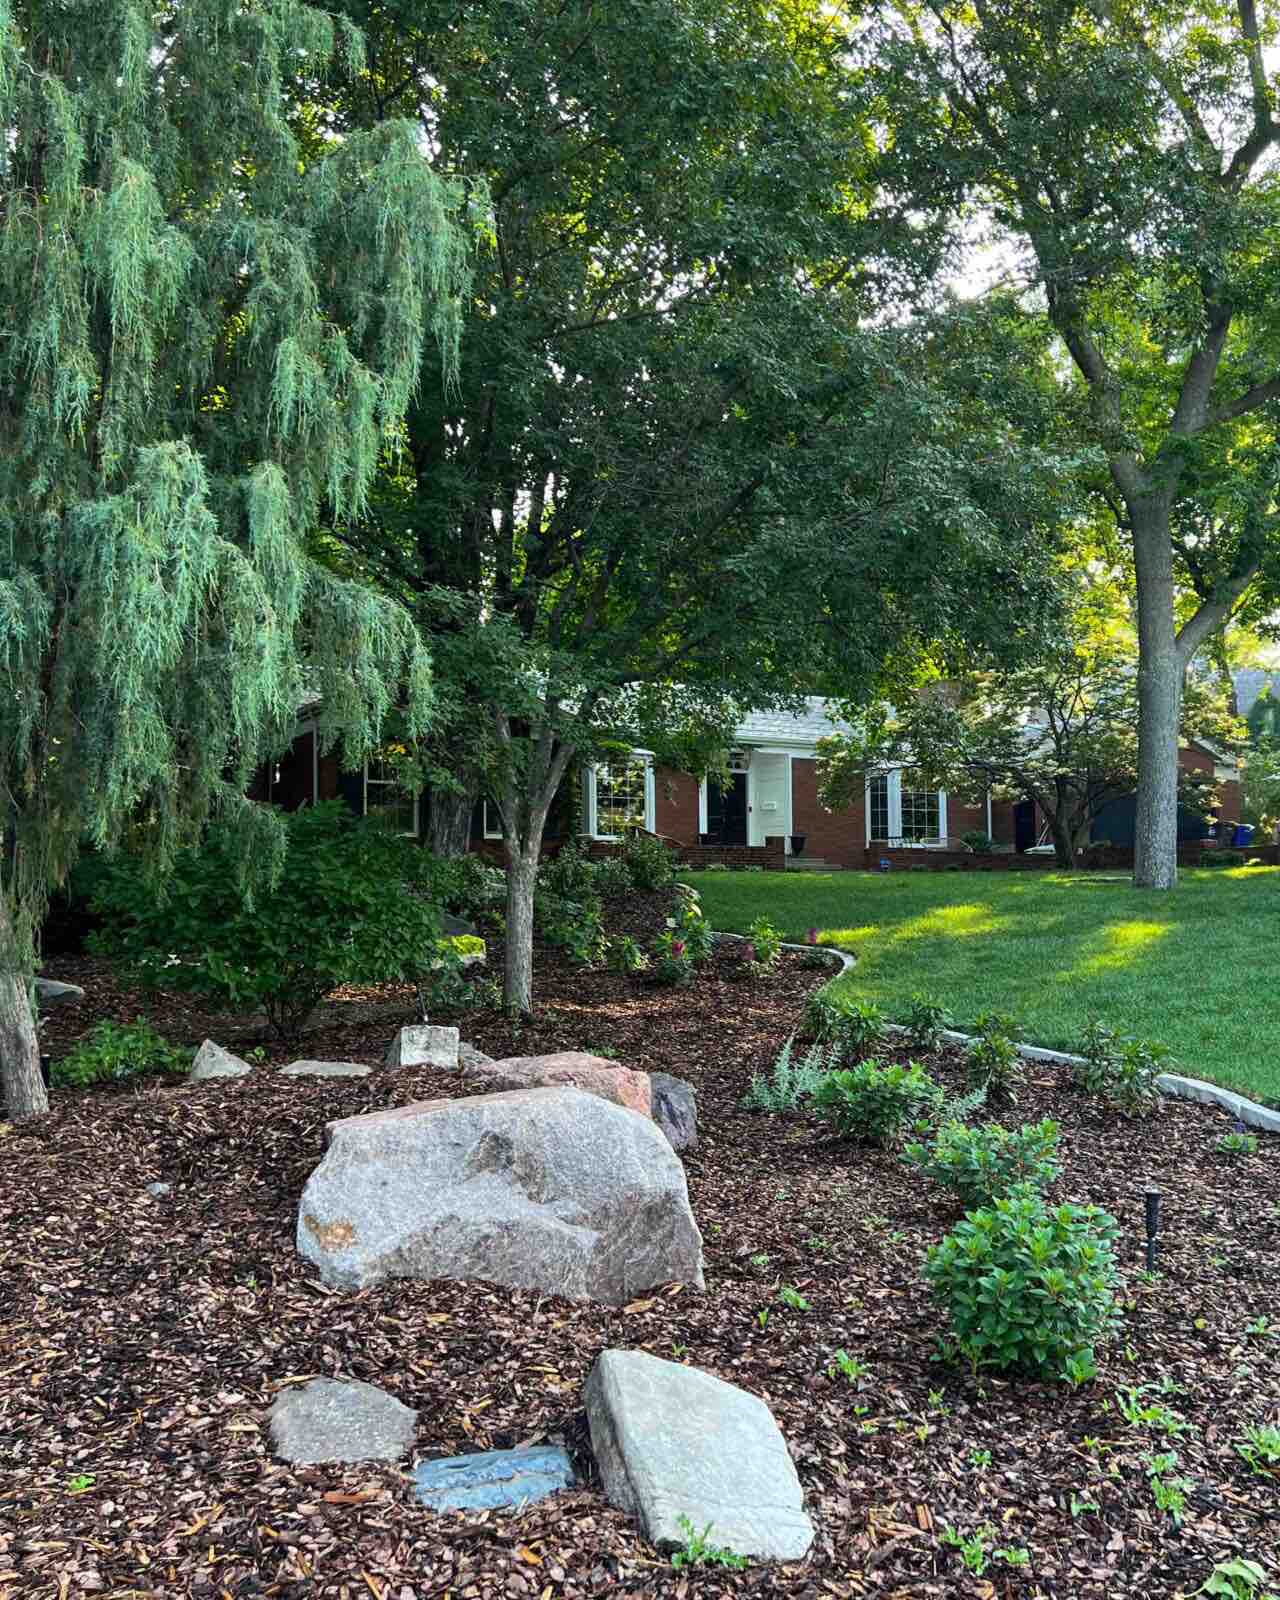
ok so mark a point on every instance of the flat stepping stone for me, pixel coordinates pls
(212, 1061)
(492, 1478)
(325, 1069)
(49, 992)
(424, 1046)
(672, 1443)
(340, 1419)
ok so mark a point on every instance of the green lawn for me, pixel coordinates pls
(1192, 969)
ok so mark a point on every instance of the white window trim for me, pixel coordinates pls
(649, 795)
(486, 831)
(382, 783)
(895, 815)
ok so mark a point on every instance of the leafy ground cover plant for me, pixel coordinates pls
(1026, 1288)
(625, 954)
(113, 1051)
(698, 1551)
(347, 906)
(980, 1165)
(766, 942)
(925, 1021)
(1260, 1448)
(1120, 1070)
(575, 926)
(1237, 1143)
(874, 1103)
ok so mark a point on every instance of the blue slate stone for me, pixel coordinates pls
(492, 1478)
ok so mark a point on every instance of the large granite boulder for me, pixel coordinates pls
(546, 1189)
(673, 1443)
(675, 1109)
(212, 1061)
(570, 1069)
(49, 992)
(340, 1419)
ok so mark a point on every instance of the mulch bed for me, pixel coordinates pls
(141, 1340)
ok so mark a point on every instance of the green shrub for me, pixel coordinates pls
(854, 1026)
(993, 1061)
(349, 906)
(625, 954)
(765, 942)
(612, 879)
(980, 1165)
(574, 926)
(469, 886)
(925, 1021)
(874, 1103)
(649, 863)
(978, 843)
(1119, 1070)
(1026, 1288)
(789, 1081)
(113, 1051)
(569, 875)
(695, 931)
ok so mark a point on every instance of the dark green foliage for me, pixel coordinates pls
(113, 1051)
(575, 926)
(1120, 1070)
(465, 885)
(625, 954)
(992, 1059)
(341, 910)
(765, 942)
(649, 862)
(1026, 1288)
(980, 1165)
(925, 1021)
(873, 1103)
(978, 842)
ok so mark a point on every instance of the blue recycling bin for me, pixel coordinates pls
(1243, 834)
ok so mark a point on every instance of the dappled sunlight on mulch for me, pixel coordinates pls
(141, 1340)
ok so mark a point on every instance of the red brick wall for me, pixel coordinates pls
(836, 836)
(965, 818)
(1002, 827)
(675, 805)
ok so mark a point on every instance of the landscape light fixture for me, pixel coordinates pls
(1153, 1226)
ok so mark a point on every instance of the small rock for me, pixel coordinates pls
(325, 1069)
(49, 992)
(469, 1057)
(492, 1478)
(212, 1061)
(159, 1189)
(672, 1443)
(570, 1069)
(340, 1419)
(675, 1109)
(424, 1046)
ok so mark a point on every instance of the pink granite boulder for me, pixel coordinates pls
(568, 1069)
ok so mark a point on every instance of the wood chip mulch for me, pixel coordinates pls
(142, 1339)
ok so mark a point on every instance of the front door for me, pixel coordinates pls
(727, 809)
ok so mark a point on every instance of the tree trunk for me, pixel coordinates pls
(522, 870)
(1064, 850)
(1155, 832)
(449, 821)
(21, 1086)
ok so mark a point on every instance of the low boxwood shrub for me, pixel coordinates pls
(1120, 1070)
(980, 1165)
(113, 1051)
(874, 1103)
(1027, 1288)
(348, 905)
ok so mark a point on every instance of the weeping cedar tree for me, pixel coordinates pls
(1061, 731)
(1125, 156)
(208, 343)
(678, 476)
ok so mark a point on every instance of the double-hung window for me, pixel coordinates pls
(386, 798)
(899, 814)
(620, 796)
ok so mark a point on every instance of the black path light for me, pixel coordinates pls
(1153, 1226)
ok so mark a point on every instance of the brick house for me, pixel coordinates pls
(768, 812)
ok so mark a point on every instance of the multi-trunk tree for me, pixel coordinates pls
(212, 333)
(693, 461)
(1123, 156)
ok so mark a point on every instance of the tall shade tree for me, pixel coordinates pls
(1124, 155)
(209, 342)
(694, 462)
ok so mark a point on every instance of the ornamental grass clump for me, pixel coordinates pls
(1026, 1288)
(980, 1165)
(873, 1103)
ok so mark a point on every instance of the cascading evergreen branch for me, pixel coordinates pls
(214, 317)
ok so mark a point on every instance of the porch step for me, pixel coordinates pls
(811, 864)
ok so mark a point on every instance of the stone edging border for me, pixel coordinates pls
(1172, 1084)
